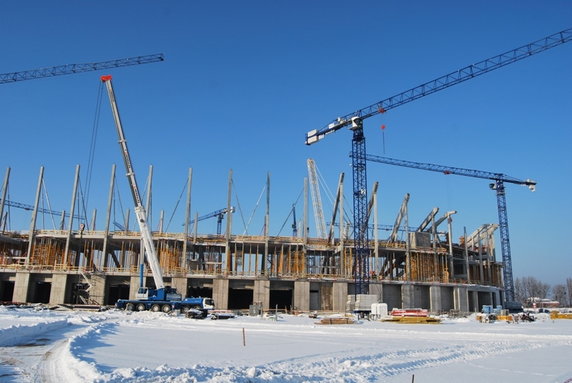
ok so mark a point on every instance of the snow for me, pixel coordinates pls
(38, 345)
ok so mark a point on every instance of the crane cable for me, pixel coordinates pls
(94, 130)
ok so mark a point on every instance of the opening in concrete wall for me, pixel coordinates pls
(6, 291)
(240, 299)
(200, 288)
(116, 292)
(41, 292)
(485, 298)
(205, 292)
(281, 295)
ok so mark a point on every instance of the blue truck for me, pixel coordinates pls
(166, 300)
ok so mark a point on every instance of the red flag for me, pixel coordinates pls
(382, 127)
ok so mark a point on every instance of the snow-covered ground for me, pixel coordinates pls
(114, 346)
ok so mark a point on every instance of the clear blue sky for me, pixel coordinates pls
(244, 81)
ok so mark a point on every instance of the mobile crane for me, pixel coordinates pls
(161, 297)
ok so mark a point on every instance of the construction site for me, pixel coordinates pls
(405, 265)
(427, 268)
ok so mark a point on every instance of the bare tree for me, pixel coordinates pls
(520, 294)
(530, 287)
(569, 291)
(560, 294)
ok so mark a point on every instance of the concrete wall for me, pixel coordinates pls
(21, 286)
(220, 293)
(461, 298)
(392, 296)
(59, 289)
(302, 295)
(339, 296)
(261, 293)
(305, 295)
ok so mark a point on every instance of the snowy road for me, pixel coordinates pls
(115, 346)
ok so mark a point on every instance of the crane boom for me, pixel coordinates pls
(354, 121)
(139, 209)
(77, 68)
(24, 206)
(498, 185)
(451, 170)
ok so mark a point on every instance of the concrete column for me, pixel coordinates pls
(302, 295)
(220, 293)
(21, 287)
(97, 290)
(435, 301)
(133, 286)
(475, 296)
(339, 296)
(262, 293)
(58, 290)
(408, 296)
(461, 299)
(181, 284)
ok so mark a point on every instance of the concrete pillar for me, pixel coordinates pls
(339, 296)
(475, 299)
(408, 296)
(220, 293)
(181, 284)
(302, 295)
(59, 287)
(261, 293)
(97, 291)
(21, 287)
(461, 299)
(133, 286)
(435, 301)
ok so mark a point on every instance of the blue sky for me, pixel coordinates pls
(244, 81)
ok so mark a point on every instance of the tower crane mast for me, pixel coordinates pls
(354, 121)
(498, 185)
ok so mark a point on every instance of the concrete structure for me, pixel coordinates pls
(81, 265)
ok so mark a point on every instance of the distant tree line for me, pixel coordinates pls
(530, 287)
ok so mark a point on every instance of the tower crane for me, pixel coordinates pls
(77, 68)
(354, 121)
(217, 213)
(499, 180)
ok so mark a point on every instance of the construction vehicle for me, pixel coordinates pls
(354, 121)
(160, 298)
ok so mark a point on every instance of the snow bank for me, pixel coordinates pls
(22, 334)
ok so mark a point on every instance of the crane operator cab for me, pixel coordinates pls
(168, 293)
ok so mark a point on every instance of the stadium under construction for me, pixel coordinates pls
(421, 267)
